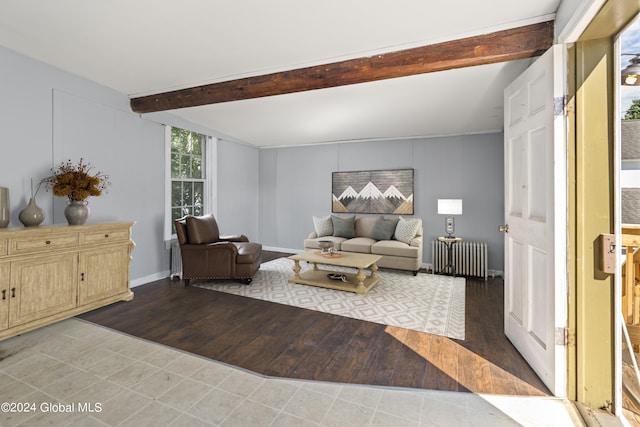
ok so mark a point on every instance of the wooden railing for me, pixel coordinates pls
(631, 283)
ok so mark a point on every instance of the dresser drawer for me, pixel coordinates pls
(104, 236)
(4, 247)
(24, 245)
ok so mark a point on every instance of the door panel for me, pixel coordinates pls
(5, 295)
(538, 180)
(103, 273)
(41, 287)
(514, 297)
(516, 173)
(539, 327)
(535, 171)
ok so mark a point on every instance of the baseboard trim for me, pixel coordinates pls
(150, 278)
(491, 273)
(162, 275)
(285, 250)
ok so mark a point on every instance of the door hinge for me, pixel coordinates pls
(565, 337)
(559, 105)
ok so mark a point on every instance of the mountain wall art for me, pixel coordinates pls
(380, 191)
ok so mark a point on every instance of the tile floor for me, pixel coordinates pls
(77, 373)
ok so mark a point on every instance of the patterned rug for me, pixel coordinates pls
(426, 302)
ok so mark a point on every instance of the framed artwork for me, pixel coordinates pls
(380, 191)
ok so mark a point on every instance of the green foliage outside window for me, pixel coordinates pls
(186, 154)
(187, 173)
(633, 112)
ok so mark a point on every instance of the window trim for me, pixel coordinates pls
(210, 148)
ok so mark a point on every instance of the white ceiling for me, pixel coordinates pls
(139, 47)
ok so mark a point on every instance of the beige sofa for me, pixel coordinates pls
(397, 239)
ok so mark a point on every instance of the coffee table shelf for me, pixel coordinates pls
(358, 283)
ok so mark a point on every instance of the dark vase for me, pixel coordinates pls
(76, 212)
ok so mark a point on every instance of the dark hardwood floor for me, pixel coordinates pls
(284, 341)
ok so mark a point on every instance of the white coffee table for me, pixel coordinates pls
(358, 283)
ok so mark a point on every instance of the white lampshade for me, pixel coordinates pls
(450, 206)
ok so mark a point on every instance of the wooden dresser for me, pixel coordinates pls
(55, 272)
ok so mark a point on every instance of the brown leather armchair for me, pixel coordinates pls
(207, 255)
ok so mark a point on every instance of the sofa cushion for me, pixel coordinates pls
(394, 248)
(384, 228)
(313, 243)
(323, 226)
(359, 244)
(406, 229)
(365, 225)
(344, 226)
(202, 229)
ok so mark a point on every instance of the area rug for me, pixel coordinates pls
(426, 302)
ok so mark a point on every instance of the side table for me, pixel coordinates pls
(450, 268)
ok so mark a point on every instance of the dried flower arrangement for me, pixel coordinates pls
(75, 181)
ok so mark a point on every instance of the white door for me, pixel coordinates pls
(535, 297)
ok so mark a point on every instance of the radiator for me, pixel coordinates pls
(469, 258)
(176, 260)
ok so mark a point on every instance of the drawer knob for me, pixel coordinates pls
(4, 294)
(106, 235)
(48, 242)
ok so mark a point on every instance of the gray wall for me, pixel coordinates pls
(237, 189)
(295, 184)
(48, 116)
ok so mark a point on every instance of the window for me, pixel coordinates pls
(188, 184)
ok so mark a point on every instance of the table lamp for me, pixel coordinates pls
(449, 207)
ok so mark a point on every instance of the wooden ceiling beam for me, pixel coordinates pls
(512, 44)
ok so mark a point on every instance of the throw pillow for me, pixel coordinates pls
(344, 226)
(384, 229)
(323, 226)
(406, 230)
(202, 229)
